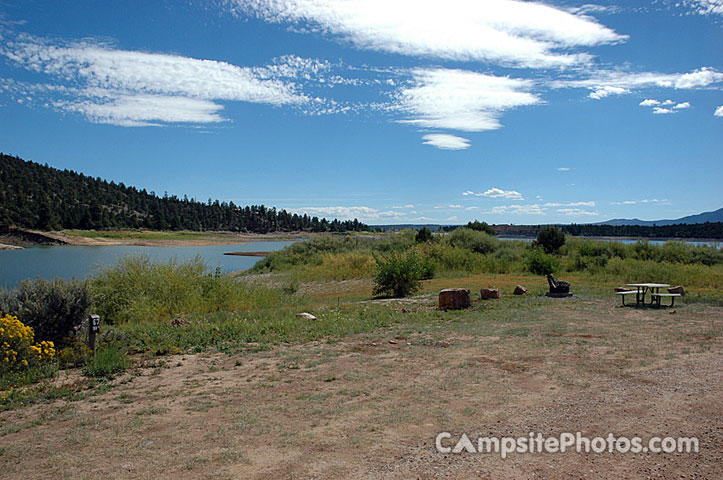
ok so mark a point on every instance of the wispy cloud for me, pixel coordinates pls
(533, 209)
(145, 110)
(362, 213)
(563, 169)
(445, 141)
(572, 204)
(496, 193)
(541, 210)
(606, 82)
(718, 111)
(576, 212)
(607, 90)
(132, 88)
(462, 100)
(702, 7)
(662, 111)
(508, 32)
(664, 201)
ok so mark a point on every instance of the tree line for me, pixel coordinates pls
(712, 230)
(41, 197)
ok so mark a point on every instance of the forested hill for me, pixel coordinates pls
(45, 198)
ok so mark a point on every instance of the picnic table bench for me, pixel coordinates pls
(641, 290)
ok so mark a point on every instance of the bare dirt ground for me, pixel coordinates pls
(370, 406)
(145, 239)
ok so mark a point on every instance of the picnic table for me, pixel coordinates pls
(641, 289)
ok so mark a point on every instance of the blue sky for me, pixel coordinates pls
(389, 111)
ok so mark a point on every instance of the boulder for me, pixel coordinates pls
(490, 293)
(679, 289)
(454, 299)
(519, 290)
(306, 316)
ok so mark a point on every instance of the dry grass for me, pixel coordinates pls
(370, 405)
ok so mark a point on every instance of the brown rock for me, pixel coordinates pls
(519, 290)
(454, 299)
(679, 289)
(490, 293)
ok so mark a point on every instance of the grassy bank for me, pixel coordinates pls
(151, 309)
(466, 252)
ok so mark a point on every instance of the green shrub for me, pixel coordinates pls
(707, 255)
(550, 239)
(397, 274)
(478, 242)
(52, 308)
(675, 252)
(108, 361)
(137, 289)
(541, 263)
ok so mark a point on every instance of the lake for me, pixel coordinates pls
(81, 262)
(629, 241)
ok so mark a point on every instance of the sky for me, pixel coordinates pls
(392, 112)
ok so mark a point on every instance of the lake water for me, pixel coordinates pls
(627, 241)
(81, 262)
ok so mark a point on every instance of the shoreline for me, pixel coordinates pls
(16, 239)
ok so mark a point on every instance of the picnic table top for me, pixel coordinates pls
(648, 285)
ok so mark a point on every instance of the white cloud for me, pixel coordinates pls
(563, 169)
(663, 201)
(462, 100)
(445, 141)
(142, 110)
(603, 80)
(659, 108)
(499, 193)
(409, 205)
(576, 212)
(703, 7)
(138, 88)
(606, 91)
(718, 111)
(533, 209)
(572, 204)
(362, 213)
(496, 193)
(662, 111)
(593, 8)
(509, 32)
(455, 206)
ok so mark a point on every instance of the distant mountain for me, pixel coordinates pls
(715, 216)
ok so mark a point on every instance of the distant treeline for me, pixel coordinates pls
(45, 198)
(694, 230)
(681, 230)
